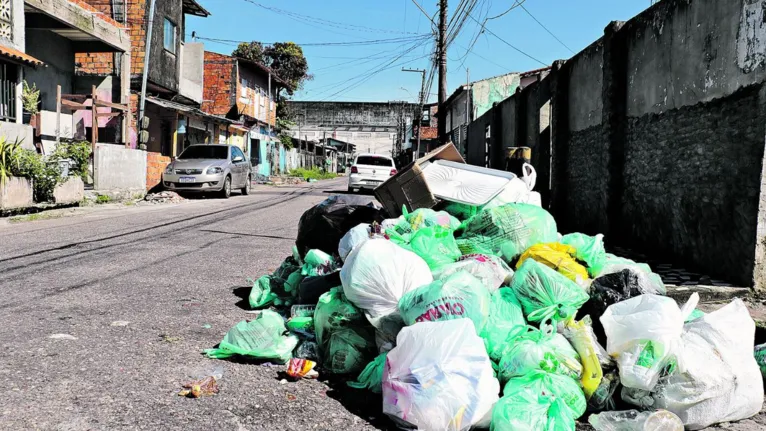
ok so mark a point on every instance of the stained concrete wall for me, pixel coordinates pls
(164, 66)
(57, 53)
(192, 71)
(658, 136)
(17, 40)
(119, 168)
(348, 113)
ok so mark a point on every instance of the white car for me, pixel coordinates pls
(370, 171)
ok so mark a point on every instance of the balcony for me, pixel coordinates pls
(192, 59)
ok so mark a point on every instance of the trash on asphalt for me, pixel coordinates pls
(302, 369)
(266, 338)
(419, 302)
(206, 385)
(634, 420)
(439, 377)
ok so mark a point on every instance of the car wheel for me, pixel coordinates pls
(246, 189)
(226, 190)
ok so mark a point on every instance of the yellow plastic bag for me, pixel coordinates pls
(559, 257)
(580, 336)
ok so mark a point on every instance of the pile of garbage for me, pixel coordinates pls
(484, 316)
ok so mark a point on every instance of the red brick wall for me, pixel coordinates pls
(102, 63)
(155, 165)
(219, 78)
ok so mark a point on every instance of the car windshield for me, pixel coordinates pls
(374, 161)
(205, 152)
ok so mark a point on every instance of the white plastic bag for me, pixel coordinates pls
(355, 237)
(490, 270)
(720, 380)
(529, 176)
(376, 275)
(643, 334)
(439, 377)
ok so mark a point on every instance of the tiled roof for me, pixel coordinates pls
(19, 57)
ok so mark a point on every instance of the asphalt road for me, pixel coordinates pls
(143, 291)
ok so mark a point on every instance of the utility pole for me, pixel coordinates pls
(421, 101)
(442, 59)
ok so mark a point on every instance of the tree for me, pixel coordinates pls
(252, 51)
(286, 59)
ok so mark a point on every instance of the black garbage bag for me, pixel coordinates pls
(323, 226)
(610, 289)
(312, 288)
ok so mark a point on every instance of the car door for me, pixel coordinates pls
(240, 166)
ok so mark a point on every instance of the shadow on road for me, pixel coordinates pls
(243, 293)
(362, 403)
(247, 234)
(346, 192)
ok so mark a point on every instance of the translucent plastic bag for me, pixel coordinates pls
(438, 377)
(633, 420)
(378, 273)
(717, 379)
(317, 263)
(543, 383)
(545, 295)
(490, 270)
(559, 257)
(535, 350)
(435, 244)
(264, 337)
(530, 411)
(588, 249)
(643, 335)
(652, 282)
(421, 218)
(372, 376)
(580, 335)
(505, 316)
(459, 296)
(360, 234)
(508, 230)
(334, 312)
(262, 293)
(347, 350)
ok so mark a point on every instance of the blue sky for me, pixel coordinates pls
(364, 71)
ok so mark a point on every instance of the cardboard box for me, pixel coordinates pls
(408, 187)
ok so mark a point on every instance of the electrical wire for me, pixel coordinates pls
(546, 29)
(351, 43)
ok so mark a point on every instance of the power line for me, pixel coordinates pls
(546, 29)
(508, 43)
(351, 43)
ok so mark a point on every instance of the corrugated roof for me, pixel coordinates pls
(180, 107)
(19, 57)
(193, 8)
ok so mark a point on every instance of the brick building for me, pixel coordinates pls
(174, 79)
(245, 92)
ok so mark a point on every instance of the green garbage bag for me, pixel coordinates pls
(264, 337)
(347, 350)
(533, 350)
(421, 218)
(461, 211)
(372, 376)
(303, 326)
(293, 282)
(334, 312)
(546, 295)
(459, 296)
(504, 316)
(261, 294)
(508, 230)
(588, 249)
(317, 263)
(543, 383)
(287, 267)
(530, 411)
(435, 244)
(760, 357)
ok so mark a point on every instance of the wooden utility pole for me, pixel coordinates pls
(442, 59)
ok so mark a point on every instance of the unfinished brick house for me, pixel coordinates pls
(246, 92)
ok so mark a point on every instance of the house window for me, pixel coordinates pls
(6, 19)
(170, 36)
(7, 92)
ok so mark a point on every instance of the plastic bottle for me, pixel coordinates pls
(634, 420)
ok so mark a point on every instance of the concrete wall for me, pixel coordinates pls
(192, 71)
(164, 66)
(22, 132)
(348, 113)
(58, 55)
(658, 136)
(17, 40)
(117, 167)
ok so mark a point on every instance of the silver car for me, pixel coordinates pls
(209, 169)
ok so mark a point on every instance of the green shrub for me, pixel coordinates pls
(78, 152)
(8, 158)
(44, 173)
(312, 174)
